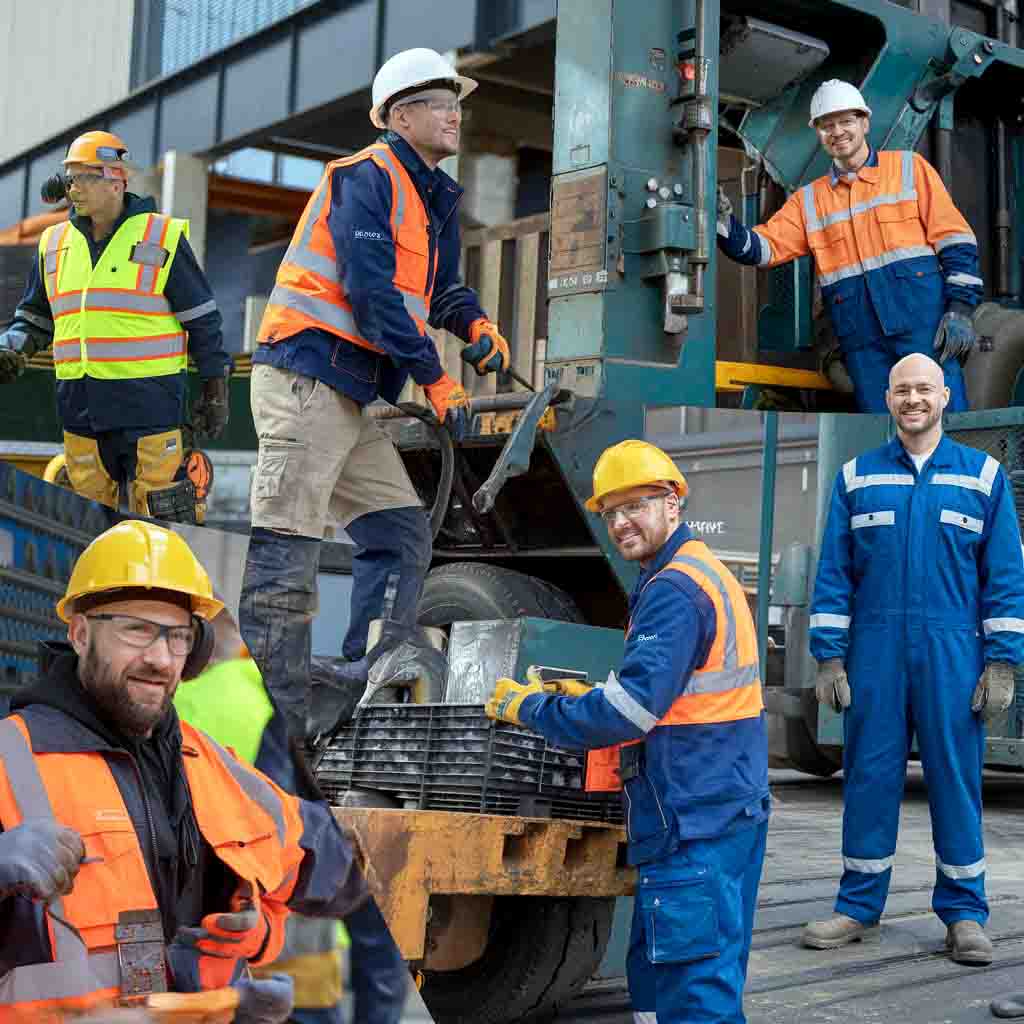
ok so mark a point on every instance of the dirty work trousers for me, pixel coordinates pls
(141, 460)
(908, 678)
(693, 918)
(322, 460)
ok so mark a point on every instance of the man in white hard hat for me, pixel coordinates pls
(896, 261)
(373, 262)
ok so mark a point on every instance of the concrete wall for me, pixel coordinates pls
(88, 45)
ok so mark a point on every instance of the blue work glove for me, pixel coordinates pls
(265, 1000)
(39, 859)
(956, 336)
(451, 405)
(487, 351)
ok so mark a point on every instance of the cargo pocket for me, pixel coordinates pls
(680, 915)
(844, 300)
(275, 459)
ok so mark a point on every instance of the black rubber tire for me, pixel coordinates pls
(802, 750)
(540, 952)
(467, 591)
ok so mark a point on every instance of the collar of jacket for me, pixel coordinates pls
(868, 170)
(942, 456)
(666, 553)
(73, 724)
(133, 205)
(437, 188)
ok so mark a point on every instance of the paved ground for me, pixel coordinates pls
(905, 975)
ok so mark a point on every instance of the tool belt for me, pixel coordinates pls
(140, 955)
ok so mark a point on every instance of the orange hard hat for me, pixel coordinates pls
(104, 149)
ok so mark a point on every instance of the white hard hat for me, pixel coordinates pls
(834, 96)
(408, 69)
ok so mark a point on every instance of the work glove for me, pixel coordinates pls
(994, 692)
(210, 410)
(221, 945)
(724, 213)
(487, 351)
(40, 859)
(956, 337)
(451, 404)
(507, 698)
(265, 1000)
(12, 365)
(562, 687)
(832, 687)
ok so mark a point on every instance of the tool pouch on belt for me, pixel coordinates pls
(609, 768)
(140, 954)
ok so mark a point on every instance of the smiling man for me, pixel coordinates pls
(917, 623)
(896, 261)
(682, 729)
(374, 261)
(136, 854)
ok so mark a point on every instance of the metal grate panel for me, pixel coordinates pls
(453, 757)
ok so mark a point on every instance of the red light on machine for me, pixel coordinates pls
(687, 71)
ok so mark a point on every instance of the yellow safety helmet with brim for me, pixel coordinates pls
(634, 464)
(136, 555)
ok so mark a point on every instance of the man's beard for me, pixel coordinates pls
(931, 418)
(111, 697)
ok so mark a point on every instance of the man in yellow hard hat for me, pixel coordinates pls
(682, 729)
(117, 291)
(137, 854)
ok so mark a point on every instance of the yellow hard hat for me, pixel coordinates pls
(633, 464)
(103, 148)
(136, 554)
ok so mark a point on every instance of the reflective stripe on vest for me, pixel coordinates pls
(726, 688)
(252, 828)
(104, 330)
(844, 254)
(308, 291)
(75, 973)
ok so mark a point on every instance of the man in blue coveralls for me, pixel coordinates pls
(687, 720)
(917, 623)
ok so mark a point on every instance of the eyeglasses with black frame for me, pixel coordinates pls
(143, 633)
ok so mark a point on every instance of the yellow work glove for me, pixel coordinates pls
(451, 405)
(487, 351)
(507, 698)
(563, 687)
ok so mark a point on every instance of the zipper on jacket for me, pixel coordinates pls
(149, 820)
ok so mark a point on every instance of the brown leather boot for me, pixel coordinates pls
(968, 944)
(838, 930)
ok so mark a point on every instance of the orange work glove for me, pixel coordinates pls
(487, 351)
(451, 404)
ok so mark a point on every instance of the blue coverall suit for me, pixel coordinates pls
(390, 543)
(119, 412)
(697, 813)
(379, 975)
(888, 306)
(920, 582)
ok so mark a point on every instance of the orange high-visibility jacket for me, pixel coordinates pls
(726, 687)
(885, 230)
(308, 292)
(252, 826)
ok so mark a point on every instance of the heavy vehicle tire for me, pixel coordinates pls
(467, 591)
(540, 952)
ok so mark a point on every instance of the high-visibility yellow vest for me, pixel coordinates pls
(112, 321)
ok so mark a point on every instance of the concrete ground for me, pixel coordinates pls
(905, 974)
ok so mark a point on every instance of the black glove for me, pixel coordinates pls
(12, 365)
(211, 409)
(40, 858)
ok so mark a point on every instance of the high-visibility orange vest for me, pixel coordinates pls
(727, 687)
(308, 291)
(252, 827)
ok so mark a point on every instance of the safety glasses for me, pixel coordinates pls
(143, 633)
